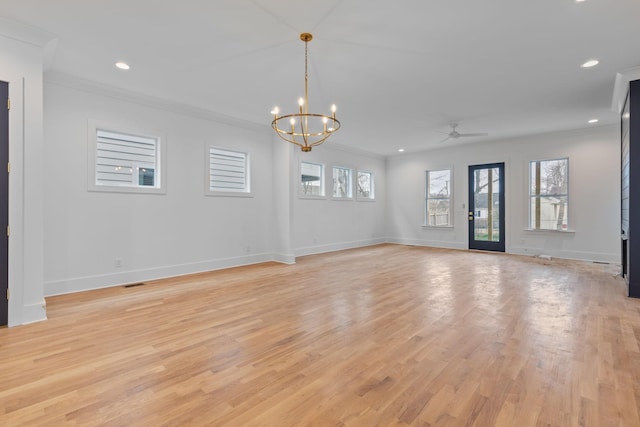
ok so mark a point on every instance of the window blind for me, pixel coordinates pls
(125, 160)
(227, 170)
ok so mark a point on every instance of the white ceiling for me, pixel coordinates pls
(399, 71)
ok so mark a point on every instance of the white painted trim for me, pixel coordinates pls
(444, 244)
(564, 254)
(76, 83)
(285, 258)
(320, 249)
(25, 33)
(78, 284)
(33, 313)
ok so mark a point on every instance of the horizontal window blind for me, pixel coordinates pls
(125, 160)
(227, 170)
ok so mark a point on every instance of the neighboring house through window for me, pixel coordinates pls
(311, 179)
(438, 198)
(549, 194)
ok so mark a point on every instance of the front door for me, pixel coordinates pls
(4, 203)
(486, 207)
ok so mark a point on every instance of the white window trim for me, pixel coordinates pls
(425, 221)
(570, 229)
(373, 187)
(323, 179)
(231, 193)
(161, 159)
(342, 198)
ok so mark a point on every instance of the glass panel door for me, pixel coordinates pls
(486, 207)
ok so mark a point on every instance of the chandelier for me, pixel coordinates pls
(305, 129)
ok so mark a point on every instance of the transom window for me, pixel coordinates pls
(438, 198)
(549, 194)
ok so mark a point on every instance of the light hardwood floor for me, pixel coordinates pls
(386, 335)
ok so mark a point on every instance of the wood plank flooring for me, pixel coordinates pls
(388, 335)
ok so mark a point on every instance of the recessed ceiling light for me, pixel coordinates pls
(590, 63)
(400, 150)
(592, 121)
(579, 1)
(122, 65)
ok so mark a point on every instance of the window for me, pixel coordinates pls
(548, 194)
(124, 161)
(438, 198)
(311, 179)
(365, 186)
(342, 187)
(228, 172)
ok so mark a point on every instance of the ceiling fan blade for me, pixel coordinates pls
(474, 134)
(446, 139)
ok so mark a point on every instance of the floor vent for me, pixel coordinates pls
(133, 285)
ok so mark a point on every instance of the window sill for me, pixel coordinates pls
(227, 194)
(342, 199)
(362, 199)
(437, 227)
(310, 197)
(533, 230)
(126, 189)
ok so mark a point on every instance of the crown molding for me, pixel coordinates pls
(338, 146)
(25, 33)
(73, 82)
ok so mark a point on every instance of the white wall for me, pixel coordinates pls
(182, 231)
(21, 58)
(326, 224)
(594, 193)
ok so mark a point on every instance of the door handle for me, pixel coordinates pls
(470, 216)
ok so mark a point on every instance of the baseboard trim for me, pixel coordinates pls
(79, 284)
(321, 249)
(428, 243)
(31, 313)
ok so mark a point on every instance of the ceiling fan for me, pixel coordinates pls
(454, 134)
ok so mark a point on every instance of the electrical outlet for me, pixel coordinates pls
(118, 262)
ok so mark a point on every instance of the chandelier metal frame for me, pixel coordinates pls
(306, 130)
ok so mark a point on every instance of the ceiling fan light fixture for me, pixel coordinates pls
(313, 129)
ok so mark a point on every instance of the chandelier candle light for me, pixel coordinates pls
(305, 129)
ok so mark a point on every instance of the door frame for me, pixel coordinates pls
(500, 245)
(4, 203)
